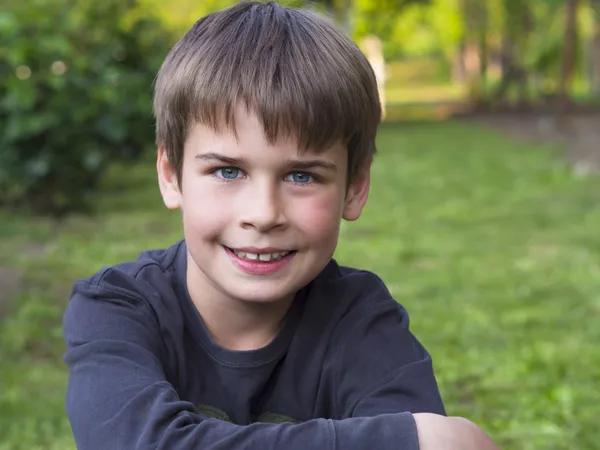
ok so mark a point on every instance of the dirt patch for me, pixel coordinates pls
(10, 282)
(578, 136)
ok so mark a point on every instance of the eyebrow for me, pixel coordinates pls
(290, 164)
(220, 158)
(311, 164)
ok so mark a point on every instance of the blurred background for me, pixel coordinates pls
(484, 219)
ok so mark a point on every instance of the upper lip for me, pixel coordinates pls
(259, 251)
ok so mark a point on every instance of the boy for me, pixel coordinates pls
(246, 334)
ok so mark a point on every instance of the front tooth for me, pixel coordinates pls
(251, 256)
(265, 257)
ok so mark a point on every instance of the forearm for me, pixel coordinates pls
(451, 433)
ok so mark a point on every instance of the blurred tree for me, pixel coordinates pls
(75, 94)
(568, 55)
(518, 25)
(595, 48)
(379, 17)
(474, 47)
(328, 5)
(180, 15)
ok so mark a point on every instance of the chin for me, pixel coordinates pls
(262, 296)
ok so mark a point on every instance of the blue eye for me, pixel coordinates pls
(228, 173)
(300, 177)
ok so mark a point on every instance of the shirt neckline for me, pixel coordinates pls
(224, 356)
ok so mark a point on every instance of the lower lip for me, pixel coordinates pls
(257, 267)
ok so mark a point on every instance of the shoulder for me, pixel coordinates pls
(372, 353)
(152, 268)
(356, 294)
(148, 283)
(354, 307)
(130, 309)
(364, 315)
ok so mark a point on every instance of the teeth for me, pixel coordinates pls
(265, 257)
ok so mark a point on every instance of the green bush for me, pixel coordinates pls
(75, 94)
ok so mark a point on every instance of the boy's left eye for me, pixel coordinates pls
(300, 177)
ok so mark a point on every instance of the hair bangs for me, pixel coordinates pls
(299, 75)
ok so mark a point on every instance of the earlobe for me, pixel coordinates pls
(167, 181)
(358, 193)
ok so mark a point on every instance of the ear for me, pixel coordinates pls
(358, 193)
(167, 180)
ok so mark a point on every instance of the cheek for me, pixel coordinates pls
(318, 217)
(204, 211)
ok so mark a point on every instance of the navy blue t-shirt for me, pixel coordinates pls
(344, 371)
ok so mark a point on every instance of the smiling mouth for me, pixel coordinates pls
(262, 257)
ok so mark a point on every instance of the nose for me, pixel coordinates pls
(262, 207)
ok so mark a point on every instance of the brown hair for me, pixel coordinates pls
(294, 69)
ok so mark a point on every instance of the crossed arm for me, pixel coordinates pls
(451, 433)
(119, 398)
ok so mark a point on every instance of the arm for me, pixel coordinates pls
(383, 369)
(451, 433)
(119, 398)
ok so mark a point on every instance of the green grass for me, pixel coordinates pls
(493, 246)
(420, 82)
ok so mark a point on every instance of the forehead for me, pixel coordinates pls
(245, 137)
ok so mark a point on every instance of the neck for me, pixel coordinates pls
(233, 323)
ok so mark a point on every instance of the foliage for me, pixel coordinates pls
(180, 15)
(433, 28)
(491, 245)
(459, 32)
(381, 17)
(75, 90)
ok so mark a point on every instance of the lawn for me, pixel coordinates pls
(493, 246)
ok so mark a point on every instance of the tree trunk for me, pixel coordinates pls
(340, 10)
(459, 71)
(518, 27)
(472, 62)
(347, 14)
(568, 55)
(595, 50)
(330, 6)
(373, 49)
(482, 31)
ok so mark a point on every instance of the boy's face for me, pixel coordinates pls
(260, 221)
